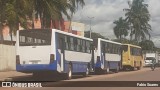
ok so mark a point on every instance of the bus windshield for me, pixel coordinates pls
(125, 48)
(34, 37)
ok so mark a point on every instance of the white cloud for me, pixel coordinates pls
(154, 9)
(106, 11)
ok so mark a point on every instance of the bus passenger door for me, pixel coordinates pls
(103, 56)
(62, 49)
(92, 57)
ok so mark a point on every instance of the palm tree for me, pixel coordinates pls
(147, 45)
(2, 16)
(17, 12)
(94, 35)
(50, 10)
(121, 28)
(137, 15)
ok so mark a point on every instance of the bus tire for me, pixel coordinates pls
(117, 70)
(35, 75)
(98, 71)
(138, 68)
(134, 66)
(69, 73)
(107, 70)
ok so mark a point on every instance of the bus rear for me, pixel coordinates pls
(131, 57)
(34, 51)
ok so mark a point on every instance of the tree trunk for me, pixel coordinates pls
(32, 24)
(120, 38)
(2, 19)
(10, 30)
(70, 25)
(1, 34)
(41, 20)
(131, 35)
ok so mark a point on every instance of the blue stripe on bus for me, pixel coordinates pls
(113, 64)
(98, 64)
(36, 67)
(76, 66)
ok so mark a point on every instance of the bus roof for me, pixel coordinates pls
(109, 41)
(70, 34)
(62, 32)
(132, 45)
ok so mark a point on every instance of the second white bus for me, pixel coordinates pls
(107, 56)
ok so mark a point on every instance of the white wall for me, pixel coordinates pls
(7, 57)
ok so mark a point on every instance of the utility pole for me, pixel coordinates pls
(90, 27)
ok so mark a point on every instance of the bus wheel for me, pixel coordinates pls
(35, 75)
(107, 70)
(138, 68)
(117, 70)
(69, 73)
(133, 69)
(134, 66)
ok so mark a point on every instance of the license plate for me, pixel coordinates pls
(33, 62)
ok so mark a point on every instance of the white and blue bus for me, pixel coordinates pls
(53, 50)
(107, 55)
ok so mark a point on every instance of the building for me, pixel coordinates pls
(74, 27)
(66, 26)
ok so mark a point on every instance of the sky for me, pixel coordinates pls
(105, 12)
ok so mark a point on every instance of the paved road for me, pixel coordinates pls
(142, 75)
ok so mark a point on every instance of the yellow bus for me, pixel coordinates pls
(132, 57)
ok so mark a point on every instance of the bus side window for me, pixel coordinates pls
(111, 48)
(62, 45)
(81, 41)
(75, 44)
(125, 48)
(71, 43)
(78, 45)
(91, 47)
(87, 47)
(119, 50)
(83, 46)
(108, 48)
(66, 43)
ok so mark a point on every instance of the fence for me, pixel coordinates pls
(7, 57)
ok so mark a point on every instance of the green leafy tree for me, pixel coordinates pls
(137, 15)
(16, 12)
(147, 45)
(2, 16)
(121, 28)
(50, 10)
(19, 12)
(94, 35)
